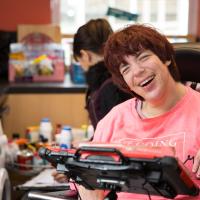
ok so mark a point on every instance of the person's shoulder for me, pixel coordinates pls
(193, 92)
(120, 110)
(124, 105)
(193, 97)
(113, 120)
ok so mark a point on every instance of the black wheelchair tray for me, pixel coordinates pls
(109, 168)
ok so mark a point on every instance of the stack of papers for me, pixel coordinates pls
(43, 181)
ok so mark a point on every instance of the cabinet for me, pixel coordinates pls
(27, 110)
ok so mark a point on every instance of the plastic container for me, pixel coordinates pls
(58, 130)
(26, 65)
(77, 74)
(32, 134)
(66, 137)
(25, 159)
(90, 132)
(46, 129)
(57, 139)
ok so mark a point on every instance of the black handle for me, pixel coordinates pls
(100, 149)
(43, 152)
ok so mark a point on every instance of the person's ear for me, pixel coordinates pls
(168, 62)
(85, 56)
(85, 59)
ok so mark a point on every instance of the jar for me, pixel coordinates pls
(25, 159)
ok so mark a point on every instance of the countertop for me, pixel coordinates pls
(42, 88)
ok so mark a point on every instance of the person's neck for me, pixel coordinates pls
(165, 103)
(96, 59)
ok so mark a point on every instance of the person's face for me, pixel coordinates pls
(146, 75)
(83, 63)
(84, 60)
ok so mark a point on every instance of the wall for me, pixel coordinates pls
(194, 19)
(14, 12)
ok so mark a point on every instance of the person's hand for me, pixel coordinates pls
(90, 194)
(59, 177)
(196, 165)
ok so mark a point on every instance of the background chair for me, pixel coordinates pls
(188, 60)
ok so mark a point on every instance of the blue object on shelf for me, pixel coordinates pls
(77, 74)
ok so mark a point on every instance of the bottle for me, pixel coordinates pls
(90, 132)
(58, 130)
(66, 137)
(46, 129)
(84, 128)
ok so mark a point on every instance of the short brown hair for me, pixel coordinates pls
(133, 40)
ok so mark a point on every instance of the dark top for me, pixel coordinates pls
(102, 94)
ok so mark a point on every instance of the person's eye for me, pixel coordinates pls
(124, 69)
(144, 57)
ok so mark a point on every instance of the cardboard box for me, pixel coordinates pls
(50, 31)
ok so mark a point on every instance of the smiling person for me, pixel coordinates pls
(163, 112)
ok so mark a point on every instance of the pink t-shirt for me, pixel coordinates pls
(179, 127)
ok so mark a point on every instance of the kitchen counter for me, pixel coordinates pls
(42, 88)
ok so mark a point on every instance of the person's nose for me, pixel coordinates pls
(137, 70)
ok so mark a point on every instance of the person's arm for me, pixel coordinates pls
(59, 177)
(84, 193)
(90, 194)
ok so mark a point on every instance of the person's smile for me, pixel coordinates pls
(146, 81)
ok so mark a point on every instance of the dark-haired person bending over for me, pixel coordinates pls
(88, 47)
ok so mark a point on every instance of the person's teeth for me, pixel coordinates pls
(145, 81)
